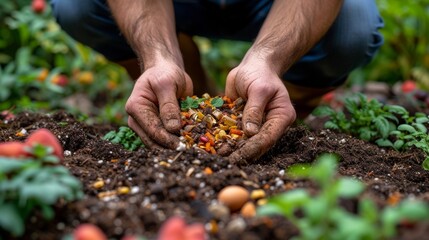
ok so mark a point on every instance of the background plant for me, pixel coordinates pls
(323, 217)
(405, 53)
(41, 67)
(386, 125)
(33, 183)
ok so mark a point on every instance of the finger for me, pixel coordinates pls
(257, 145)
(230, 89)
(169, 108)
(143, 136)
(146, 116)
(253, 112)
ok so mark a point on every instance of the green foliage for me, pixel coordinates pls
(368, 119)
(386, 125)
(216, 102)
(34, 52)
(29, 184)
(126, 137)
(405, 53)
(190, 102)
(323, 217)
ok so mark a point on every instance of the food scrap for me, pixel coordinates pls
(212, 123)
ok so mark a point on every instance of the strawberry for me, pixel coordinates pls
(88, 231)
(47, 138)
(12, 149)
(408, 86)
(38, 6)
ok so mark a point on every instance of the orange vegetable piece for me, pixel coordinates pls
(235, 131)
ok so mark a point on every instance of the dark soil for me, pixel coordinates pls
(165, 183)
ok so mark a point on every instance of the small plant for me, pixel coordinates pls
(386, 125)
(126, 137)
(30, 179)
(324, 218)
(370, 120)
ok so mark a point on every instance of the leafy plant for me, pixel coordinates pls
(126, 137)
(370, 120)
(33, 183)
(323, 217)
(386, 125)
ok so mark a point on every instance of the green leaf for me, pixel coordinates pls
(420, 127)
(323, 111)
(10, 219)
(398, 144)
(217, 102)
(384, 142)
(331, 125)
(382, 126)
(406, 127)
(348, 187)
(425, 164)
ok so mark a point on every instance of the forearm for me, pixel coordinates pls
(291, 29)
(149, 27)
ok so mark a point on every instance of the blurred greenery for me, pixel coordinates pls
(405, 53)
(41, 67)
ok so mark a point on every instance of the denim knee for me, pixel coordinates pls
(90, 22)
(351, 42)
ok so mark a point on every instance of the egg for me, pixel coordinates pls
(234, 197)
(248, 210)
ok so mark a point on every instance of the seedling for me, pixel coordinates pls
(323, 217)
(31, 183)
(386, 125)
(126, 137)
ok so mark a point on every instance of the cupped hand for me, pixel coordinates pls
(153, 109)
(268, 111)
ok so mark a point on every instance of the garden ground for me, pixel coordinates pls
(142, 189)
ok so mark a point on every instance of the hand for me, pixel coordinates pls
(153, 107)
(267, 98)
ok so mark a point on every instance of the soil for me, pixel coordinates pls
(166, 182)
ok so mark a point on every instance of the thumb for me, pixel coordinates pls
(253, 112)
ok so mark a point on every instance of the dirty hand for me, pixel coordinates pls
(268, 111)
(153, 109)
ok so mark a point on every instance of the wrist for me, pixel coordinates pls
(262, 57)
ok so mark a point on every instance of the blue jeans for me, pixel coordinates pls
(351, 42)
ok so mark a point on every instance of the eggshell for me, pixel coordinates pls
(234, 197)
(248, 210)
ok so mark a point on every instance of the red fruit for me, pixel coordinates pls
(45, 137)
(12, 149)
(172, 229)
(88, 232)
(38, 6)
(328, 97)
(408, 86)
(60, 80)
(195, 232)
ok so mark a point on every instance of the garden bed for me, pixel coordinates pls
(142, 189)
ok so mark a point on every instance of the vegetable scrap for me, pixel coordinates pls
(212, 124)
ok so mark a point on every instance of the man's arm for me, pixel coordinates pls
(292, 28)
(149, 27)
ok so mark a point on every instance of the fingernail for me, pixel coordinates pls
(252, 127)
(173, 122)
